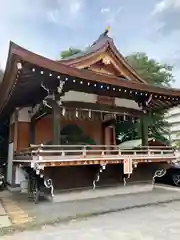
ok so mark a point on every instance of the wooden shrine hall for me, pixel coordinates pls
(62, 116)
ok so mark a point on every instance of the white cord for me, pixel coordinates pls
(48, 184)
(124, 179)
(96, 180)
(159, 174)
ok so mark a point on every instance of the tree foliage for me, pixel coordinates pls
(70, 52)
(150, 70)
(153, 73)
(157, 128)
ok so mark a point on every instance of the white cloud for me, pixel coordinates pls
(75, 7)
(29, 17)
(167, 13)
(164, 5)
(160, 7)
(53, 16)
(65, 12)
(56, 11)
(115, 14)
(111, 15)
(105, 10)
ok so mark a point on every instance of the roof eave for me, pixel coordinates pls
(28, 56)
(22, 54)
(126, 64)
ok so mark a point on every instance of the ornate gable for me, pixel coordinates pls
(103, 57)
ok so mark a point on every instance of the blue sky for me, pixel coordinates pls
(49, 26)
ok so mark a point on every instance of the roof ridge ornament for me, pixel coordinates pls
(107, 29)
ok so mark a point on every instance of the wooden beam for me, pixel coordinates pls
(102, 107)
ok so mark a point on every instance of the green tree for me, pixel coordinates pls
(70, 52)
(156, 74)
(157, 128)
(150, 70)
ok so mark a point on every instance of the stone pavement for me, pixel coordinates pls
(48, 212)
(26, 214)
(85, 194)
(157, 222)
(21, 211)
(4, 219)
(13, 210)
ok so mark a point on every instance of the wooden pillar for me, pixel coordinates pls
(144, 130)
(32, 131)
(15, 139)
(56, 124)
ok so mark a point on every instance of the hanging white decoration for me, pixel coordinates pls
(149, 99)
(63, 111)
(90, 114)
(77, 114)
(124, 117)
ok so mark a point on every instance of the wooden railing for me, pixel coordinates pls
(109, 153)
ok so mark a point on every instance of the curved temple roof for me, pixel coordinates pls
(101, 45)
(20, 83)
(103, 40)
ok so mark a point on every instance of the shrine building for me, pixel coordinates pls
(62, 115)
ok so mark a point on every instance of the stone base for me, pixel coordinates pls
(14, 188)
(74, 195)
